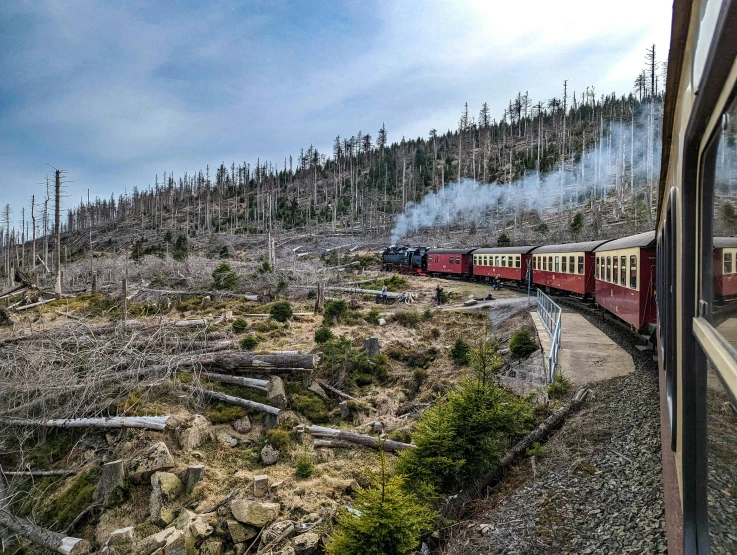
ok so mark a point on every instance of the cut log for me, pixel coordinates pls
(361, 439)
(17, 291)
(236, 380)
(249, 361)
(145, 422)
(54, 541)
(335, 390)
(42, 473)
(252, 405)
(32, 305)
(333, 444)
(455, 508)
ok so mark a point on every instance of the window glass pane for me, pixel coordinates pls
(615, 269)
(623, 282)
(580, 265)
(571, 264)
(518, 261)
(609, 268)
(633, 272)
(545, 263)
(564, 267)
(504, 261)
(458, 259)
(496, 261)
(557, 263)
(727, 262)
(550, 263)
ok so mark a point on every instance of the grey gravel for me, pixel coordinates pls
(597, 489)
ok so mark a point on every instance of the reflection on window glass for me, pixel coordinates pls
(556, 264)
(722, 465)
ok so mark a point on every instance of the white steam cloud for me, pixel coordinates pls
(624, 159)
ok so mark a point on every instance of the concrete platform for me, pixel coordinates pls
(586, 353)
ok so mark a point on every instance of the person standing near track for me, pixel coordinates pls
(383, 294)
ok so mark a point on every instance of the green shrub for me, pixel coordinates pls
(418, 377)
(335, 311)
(279, 438)
(536, 450)
(323, 334)
(389, 520)
(311, 406)
(522, 343)
(435, 333)
(394, 283)
(414, 357)
(559, 386)
(281, 311)
(427, 314)
(409, 318)
(353, 318)
(304, 467)
(222, 413)
(248, 343)
(266, 326)
(181, 248)
(343, 365)
(461, 353)
(372, 317)
(401, 435)
(463, 437)
(224, 277)
(62, 510)
(239, 325)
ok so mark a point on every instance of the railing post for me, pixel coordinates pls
(550, 316)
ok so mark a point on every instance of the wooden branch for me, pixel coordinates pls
(237, 380)
(335, 390)
(252, 405)
(145, 422)
(361, 439)
(32, 305)
(246, 360)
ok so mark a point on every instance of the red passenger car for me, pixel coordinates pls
(625, 279)
(457, 262)
(507, 263)
(568, 267)
(725, 268)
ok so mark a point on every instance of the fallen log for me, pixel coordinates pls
(17, 291)
(42, 473)
(335, 390)
(236, 380)
(249, 361)
(361, 439)
(200, 293)
(356, 290)
(252, 405)
(337, 444)
(32, 305)
(144, 422)
(454, 509)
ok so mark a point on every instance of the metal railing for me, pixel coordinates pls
(550, 315)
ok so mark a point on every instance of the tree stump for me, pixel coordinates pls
(372, 346)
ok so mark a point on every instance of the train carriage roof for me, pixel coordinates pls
(640, 240)
(725, 242)
(505, 250)
(450, 251)
(586, 246)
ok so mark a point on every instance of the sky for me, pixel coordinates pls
(117, 92)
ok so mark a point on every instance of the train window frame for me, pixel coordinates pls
(564, 265)
(726, 259)
(504, 261)
(581, 264)
(634, 272)
(550, 263)
(545, 263)
(518, 261)
(557, 264)
(609, 269)
(458, 259)
(615, 270)
(623, 270)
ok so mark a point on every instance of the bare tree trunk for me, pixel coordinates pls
(57, 232)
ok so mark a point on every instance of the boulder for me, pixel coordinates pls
(306, 544)
(224, 438)
(154, 459)
(176, 543)
(111, 487)
(154, 542)
(212, 547)
(269, 455)
(377, 427)
(317, 389)
(199, 528)
(240, 548)
(240, 532)
(206, 302)
(183, 520)
(192, 476)
(121, 541)
(242, 425)
(164, 488)
(382, 322)
(256, 513)
(276, 395)
(260, 485)
(194, 433)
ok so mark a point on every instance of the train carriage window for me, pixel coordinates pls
(609, 268)
(727, 262)
(458, 259)
(518, 261)
(596, 267)
(564, 267)
(437, 259)
(615, 270)
(496, 261)
(545, 263)
(580, 265)
(504, 261)
(633, 272)
(571, 264)
(557, 263)
(550, 263)
(623, 270)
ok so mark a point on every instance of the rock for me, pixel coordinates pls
(206, 301)
(184, 518)
(256, 513)
(275, 393)
(121, 541)
(176, 543)
(154, 459)
(260, 485)
(377, 427)
(382, 322)
(372, 346)
(192, 476)
(282, 529)
(211, 547)
(111, 487)
(310, 518)
(269, 455)
(306, 544)
(240, 532)
(242, 425)
(317, 389)
(194, 433)
(200, 529)
(164, 488)
(240, 548)
(345, 412)
(224, 438)
(228, 315)
(150, 544)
